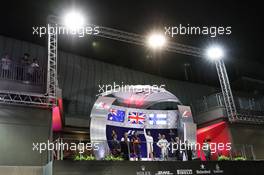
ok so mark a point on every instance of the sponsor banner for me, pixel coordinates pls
(158, 167)
(185, 113)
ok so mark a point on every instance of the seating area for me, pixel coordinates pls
(24, 70)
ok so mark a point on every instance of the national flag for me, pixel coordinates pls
(116, 115)
(158, 119)
(136, 117)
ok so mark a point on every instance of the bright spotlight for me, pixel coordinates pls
(156, 40)
(215, 53)
(73, 20)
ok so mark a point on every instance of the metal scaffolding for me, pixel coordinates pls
(228, 98)
(249, 118)
(50, 97)
(23, 98)
(226, 90)
(137, 39)
(52, 65)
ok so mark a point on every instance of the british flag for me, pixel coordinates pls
(136, 117)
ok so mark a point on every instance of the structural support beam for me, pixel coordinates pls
(132, 38)
(226, 90)
(29, 99)
(52, 65)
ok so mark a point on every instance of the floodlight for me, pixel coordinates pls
(215, 53)
(156, 40)
(74, 20)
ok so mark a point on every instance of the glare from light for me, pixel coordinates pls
(156, 40)
(74, 20)
(215, 53)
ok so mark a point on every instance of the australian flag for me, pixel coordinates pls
(116, 115)
(136, 117)
(157, 119)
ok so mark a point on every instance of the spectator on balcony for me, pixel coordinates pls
(23, 68)
(33, 70)
(25, 61)
(6, 66)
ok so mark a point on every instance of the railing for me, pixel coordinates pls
(208, 102)
(24, 74)
(250, 104)
(249, 117)
(242, 150)
(216, 100)
(249, 110)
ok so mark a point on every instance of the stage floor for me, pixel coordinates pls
(67, 167)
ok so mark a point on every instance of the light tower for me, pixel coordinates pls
(216, 54)
(72, 21)
(51, 90)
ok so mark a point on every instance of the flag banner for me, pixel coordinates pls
(158, 119)
(136, 118)
(116, 115)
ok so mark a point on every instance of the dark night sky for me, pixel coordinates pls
(17, 19)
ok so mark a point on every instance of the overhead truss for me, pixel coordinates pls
(9, 97)
(50, 97)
